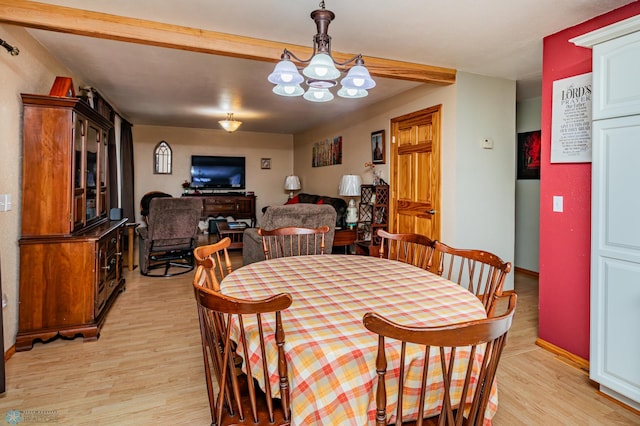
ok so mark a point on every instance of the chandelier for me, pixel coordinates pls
(320, 70)
(230, 124)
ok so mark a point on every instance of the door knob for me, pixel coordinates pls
(432, 211)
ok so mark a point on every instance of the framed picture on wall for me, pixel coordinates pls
(529, 155)
(327, 152)
(377, 147)
(265, 163)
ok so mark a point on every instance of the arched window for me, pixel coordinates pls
(162, 159)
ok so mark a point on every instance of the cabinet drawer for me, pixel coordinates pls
(220, 208)
(112, 243)
(105, 288)
(217, 201)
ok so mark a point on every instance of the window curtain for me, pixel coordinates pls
(126, 150)
(112, 155)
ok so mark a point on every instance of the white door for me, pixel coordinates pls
(615, 265)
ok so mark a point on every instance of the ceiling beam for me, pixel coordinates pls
(112, 27)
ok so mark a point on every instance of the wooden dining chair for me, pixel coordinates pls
(480, 272)
(292, 241)
(414, 249)
(238, 398)
(468, 354)
(212, 263)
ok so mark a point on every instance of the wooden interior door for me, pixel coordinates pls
(415, 173)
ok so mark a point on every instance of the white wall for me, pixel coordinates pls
(478, 189)
(528, 114)
(485, 186)
(32, 71)
(266, 183)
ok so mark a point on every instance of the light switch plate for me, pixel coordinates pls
(558, 203)
(5, 202)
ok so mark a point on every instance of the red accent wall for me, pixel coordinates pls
(565, 238)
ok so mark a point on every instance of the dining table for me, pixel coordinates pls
(331, 356)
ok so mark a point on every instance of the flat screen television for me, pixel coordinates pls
(217, 172)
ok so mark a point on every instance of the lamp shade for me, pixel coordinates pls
(358, 78)
(318, 95)
(321, 67)
(352, 93)
(291, 183)
(288, 90)
(350, 185)
(285, 73)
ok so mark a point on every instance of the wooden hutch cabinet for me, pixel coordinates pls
(70, 253)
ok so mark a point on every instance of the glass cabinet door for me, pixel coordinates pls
(92, 177)
(79, 203)
(103, 172)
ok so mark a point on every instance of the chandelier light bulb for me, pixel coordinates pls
(358, 82)
(286, 77)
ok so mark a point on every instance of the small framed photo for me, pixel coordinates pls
(265, 163)
(378, 151)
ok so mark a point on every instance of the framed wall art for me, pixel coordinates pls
(327, 152)
(265, 163)
(571, 120)
(529, 155)
(378, 151)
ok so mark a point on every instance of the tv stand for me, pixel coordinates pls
(236, 204)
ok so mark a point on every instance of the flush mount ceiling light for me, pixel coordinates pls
(320, 70)
(230, 124)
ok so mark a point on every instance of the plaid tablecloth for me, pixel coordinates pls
(330, 354)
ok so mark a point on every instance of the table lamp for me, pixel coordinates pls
(291, 183)
(350, 187)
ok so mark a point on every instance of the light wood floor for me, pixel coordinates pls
(146, 368)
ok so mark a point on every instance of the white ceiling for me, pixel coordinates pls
(158, 86)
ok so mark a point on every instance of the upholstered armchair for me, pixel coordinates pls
(170, 236)
(301, 215)
(146, 200)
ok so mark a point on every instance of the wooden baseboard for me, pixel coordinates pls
(526, 271)
(9, 353)
(582, 364)
(565, 355)
(618, 402)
